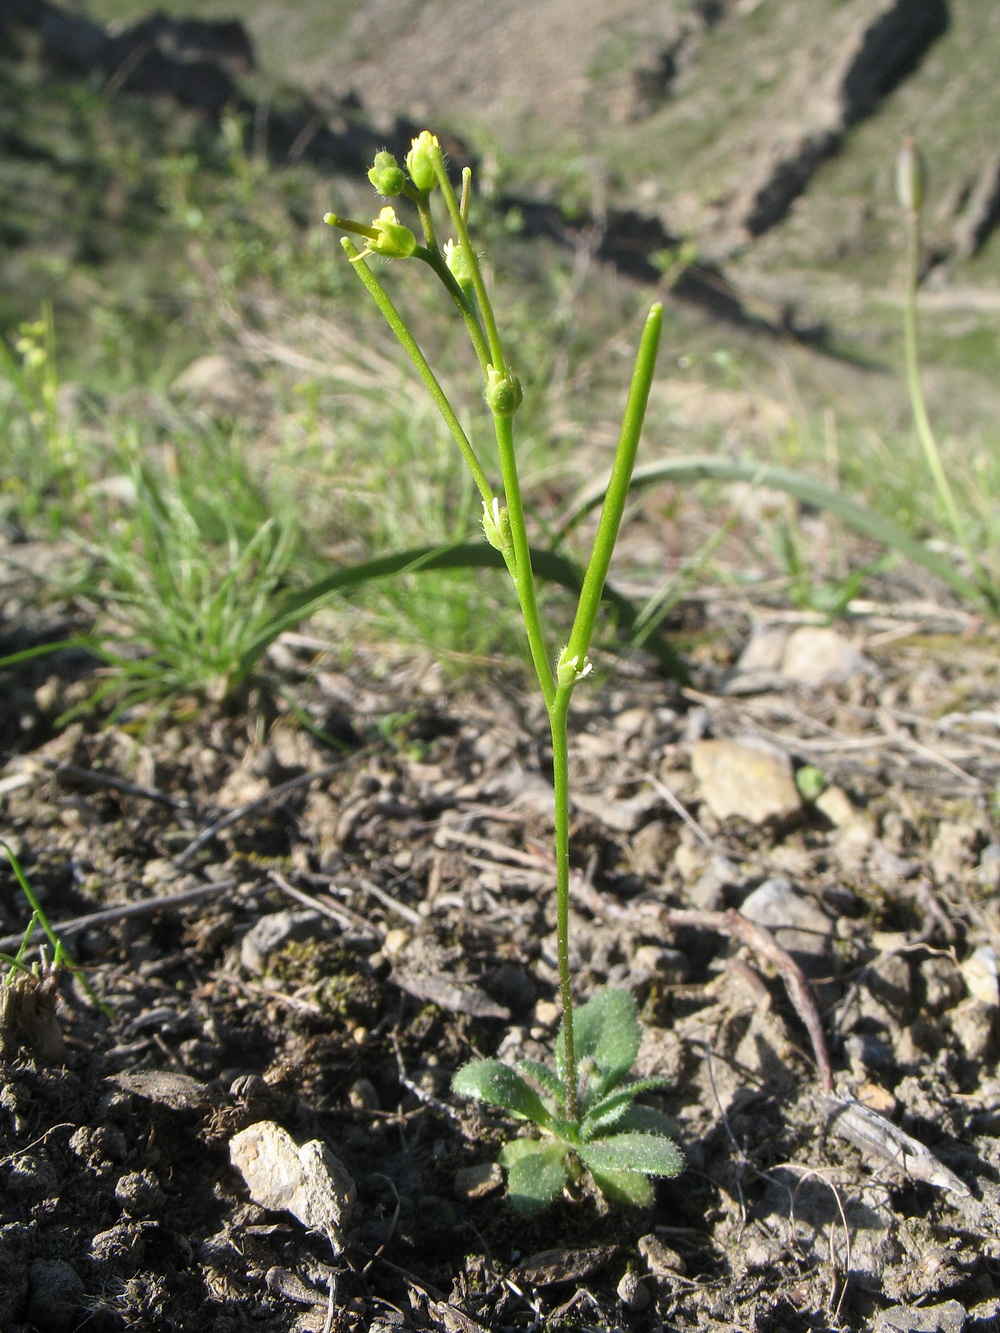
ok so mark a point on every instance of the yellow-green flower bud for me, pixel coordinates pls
(458, 263)
(910, 177)
(496, 525)
(569, 670)
(503, 392)
(393, 239)
(387, 175)
(420, 160)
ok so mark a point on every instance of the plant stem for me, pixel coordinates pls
(578, 646)
(395, 321)
(925, 432)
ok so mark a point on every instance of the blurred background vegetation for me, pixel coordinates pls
(191, 374)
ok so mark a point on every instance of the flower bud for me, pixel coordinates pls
(387, 175)
(393, 239)
(420, 160)
(910, 177)
(458, 264)
(568, 669)
(496, 525)
(503, 392)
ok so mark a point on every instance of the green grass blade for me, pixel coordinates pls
(798, 484)
(462, 555)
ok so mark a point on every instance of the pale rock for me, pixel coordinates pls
(979, 972)
(953, 850)
(795, 921)
(475, 1182)
(748, 777)
(659, 1258)
(307, 1181)
(818, 655)
(974, 1024)
(837, 806)
(765, 649)
(632, 1291)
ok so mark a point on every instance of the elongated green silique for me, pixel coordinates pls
(587, 1116)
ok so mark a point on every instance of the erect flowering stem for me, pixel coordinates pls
(395, 321)
(506, 528)
(573, 665)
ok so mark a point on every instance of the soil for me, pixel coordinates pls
(362, 917)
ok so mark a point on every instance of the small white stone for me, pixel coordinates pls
(748, 776)
(306, 1181)
(818, 655)
(980, 974)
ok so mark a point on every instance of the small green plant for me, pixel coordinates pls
(620, 1143)
(187, 591)
(61, 957)
(585, 1108)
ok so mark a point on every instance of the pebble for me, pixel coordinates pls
(796, 922)
(660, 1259)
(306, 1181)
(948, 1317)
(979, 972)
(748, 776)
(818, 655)
(837, 806)
(273, 932)
(974, 1024)
(632, 1291)
(475, 1182)
(953, 851)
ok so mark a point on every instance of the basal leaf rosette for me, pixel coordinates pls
(623, 1145)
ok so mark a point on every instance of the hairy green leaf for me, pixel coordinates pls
(536, 1173)
(610, 1110)
(649, 1153)
(547, 1077)
(625, 1186)
(494, 1082)
(644, 1120)
(607, 1031)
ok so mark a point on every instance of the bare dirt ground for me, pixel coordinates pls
(316, 937)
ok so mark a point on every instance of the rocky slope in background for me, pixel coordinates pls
(762, 130)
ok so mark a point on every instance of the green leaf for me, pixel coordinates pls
(494, 1082)
(644, 1120)
(607, 1030)
(610, 1110)
(547, 1077)
(536, 1173)
(651, 1154)
(625, 1186)
(295, 606)
(803, 487)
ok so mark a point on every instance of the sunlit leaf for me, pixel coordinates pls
(494, 1082)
